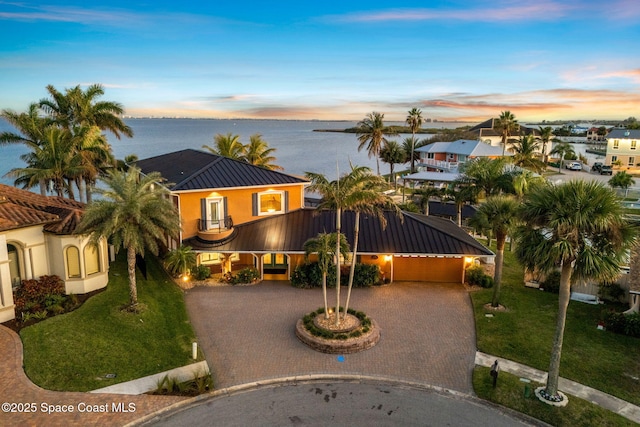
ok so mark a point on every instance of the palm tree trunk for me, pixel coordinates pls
(413, 147)
(459, 215)
(378, 165)
(352, 270)
(131, 269)
(556, 351)
(339, 236)
(324, 294)
(43, 187)
(497, 275)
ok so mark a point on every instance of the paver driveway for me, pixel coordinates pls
(247, 333)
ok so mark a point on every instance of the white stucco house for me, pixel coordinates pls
(37, 238)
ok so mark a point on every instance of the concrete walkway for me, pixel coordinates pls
(572, 388)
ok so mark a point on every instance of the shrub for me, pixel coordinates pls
(552, 282)
(246, 275)
(201, 272)
(366, 275)
(611, 292)
(620, 323)
(35, 299)
(309, 275)
(475, 277)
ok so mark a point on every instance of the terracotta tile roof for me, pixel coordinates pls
(21, 208)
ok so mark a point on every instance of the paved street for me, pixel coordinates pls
(342, 404)
(247, 333)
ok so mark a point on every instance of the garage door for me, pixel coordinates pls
(427, 269)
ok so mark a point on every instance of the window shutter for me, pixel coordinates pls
(225, 208)
(286, 201)
(203, 214)
(254, 204)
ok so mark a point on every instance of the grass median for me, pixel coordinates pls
(81, 350)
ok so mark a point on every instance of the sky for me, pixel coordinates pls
(330, 60)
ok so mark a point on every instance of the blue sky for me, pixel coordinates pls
(456, 60)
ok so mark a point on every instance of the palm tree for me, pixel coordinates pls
(76, 108)
(358, 191)
(392, 153)
(227, 146)
(373, 133)
(565, 150)
(54, 162)
(622, 180)
(258, 153)
(498, 214)
(423, 195)
(578, 226)
(414, 121)
(179, 261)
(506, 125)
(135, 214)
(324, 246)
(31, 127)
(487, 175)
(525, 149)
(460, 193)
(546, 137)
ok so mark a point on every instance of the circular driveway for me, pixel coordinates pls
(248, 333)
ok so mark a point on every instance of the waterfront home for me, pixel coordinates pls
(236, 215)
(622, 146)
(37, 238)
(448, 156)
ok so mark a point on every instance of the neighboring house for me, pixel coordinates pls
(448, 156)
(412, 248)
(37, 238)
(622, 146)
(487, 134)
(214, 194)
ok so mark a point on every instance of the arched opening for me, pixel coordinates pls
(15, 265)
(72, 255)
(91, 259)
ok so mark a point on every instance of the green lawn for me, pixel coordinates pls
(75, 351)
(524, 333)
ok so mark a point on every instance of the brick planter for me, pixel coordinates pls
(333, 346)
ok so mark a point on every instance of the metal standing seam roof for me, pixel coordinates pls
(415, 235)
(466, 147)
(624, 134)
(195, 170)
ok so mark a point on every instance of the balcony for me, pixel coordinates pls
(213, 230)
(439, 164)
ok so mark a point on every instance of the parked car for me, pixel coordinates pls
(597, 166)
(573, 166)
(606, 170)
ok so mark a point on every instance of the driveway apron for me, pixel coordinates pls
(247, 333)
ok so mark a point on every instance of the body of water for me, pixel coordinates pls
(298, 148)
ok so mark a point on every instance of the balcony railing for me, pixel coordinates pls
(439, 164)
(215, 225)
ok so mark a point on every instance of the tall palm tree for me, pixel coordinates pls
(76, 108)
(54, 162)
(358, 191)
(622, 180)
(526, 153)
(372, 133)
(324, 246)
(564, 149)
(546, 137)
(392, 153)
(258, 153)
(506, 125)
(414, 121)
(135, 214)
(460, 193)
(579, 226)
(227, 146)
(31, 128)
(498, 214)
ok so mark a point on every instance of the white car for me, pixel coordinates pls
(573, 166)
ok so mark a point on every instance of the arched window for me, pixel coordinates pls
(73, 262)
(15, 269)
(91, 259)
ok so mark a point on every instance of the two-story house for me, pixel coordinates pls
(623, 146)
(37, 238)
(235, 214)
